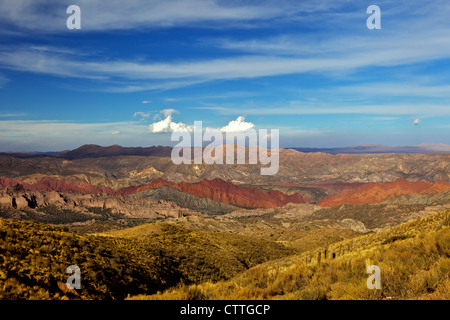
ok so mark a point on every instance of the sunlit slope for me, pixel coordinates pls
(34, 258)
(414, 259)
(205, 256)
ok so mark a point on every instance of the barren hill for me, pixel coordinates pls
(116, 171)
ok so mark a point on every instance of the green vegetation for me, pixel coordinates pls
(414, 259)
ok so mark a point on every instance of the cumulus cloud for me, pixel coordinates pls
(417, 121)
(238, 125)
(168, 125)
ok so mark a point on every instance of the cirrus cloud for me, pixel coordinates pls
(141, 114)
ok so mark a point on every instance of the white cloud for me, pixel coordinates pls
(154, 85)
(417, 121)
(141, 114)
(167, 124)
(168, 112)
(381, 118)
(405, 42)
(238, 125)
(406, 89)
(295, 108)
(133, 14)
(176, 74)
(12, 115)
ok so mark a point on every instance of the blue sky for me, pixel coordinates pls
(309, 68)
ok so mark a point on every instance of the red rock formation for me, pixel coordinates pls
(374, 192)
(438, 186)
(216, 189)
(49, 184)
(8, 182)
(222, 191)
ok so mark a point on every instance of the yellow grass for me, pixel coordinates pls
(414, 259)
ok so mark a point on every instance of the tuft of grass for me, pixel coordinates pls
(395, 238)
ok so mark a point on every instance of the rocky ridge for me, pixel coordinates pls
(216, 190)
(374, 192)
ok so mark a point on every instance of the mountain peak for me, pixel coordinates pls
(96, 151)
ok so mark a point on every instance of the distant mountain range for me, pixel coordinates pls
(96, 151)
(376, 148)
(117, 167)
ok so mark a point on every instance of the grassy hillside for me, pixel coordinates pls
(34, 257)
(202, 256)
(165, 261)
(414, 259)
(289, 232)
